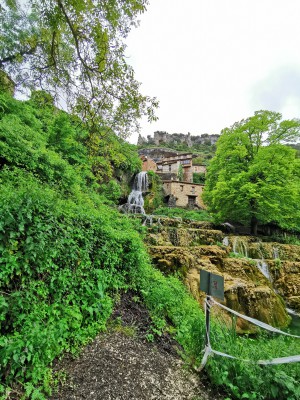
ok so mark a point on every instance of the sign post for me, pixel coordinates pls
(207, 310)
(212, 285)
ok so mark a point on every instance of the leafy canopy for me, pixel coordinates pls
(254, 177)
(75, 50)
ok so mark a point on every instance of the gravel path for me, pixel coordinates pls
(122, 365)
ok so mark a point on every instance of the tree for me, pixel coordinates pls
(75, 50)
(254, 177)
(180, 172)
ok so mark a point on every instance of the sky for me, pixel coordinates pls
(211, 63)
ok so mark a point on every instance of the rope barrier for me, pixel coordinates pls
(208, 349)
(253, 320)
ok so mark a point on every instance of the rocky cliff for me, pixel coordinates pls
(161, 137)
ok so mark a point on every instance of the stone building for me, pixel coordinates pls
(199, 169)
(183, 194)
(171, 166)
(148, 164)
(176, 171)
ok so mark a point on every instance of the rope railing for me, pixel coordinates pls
(208, 350)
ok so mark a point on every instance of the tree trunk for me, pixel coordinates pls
(254, 224)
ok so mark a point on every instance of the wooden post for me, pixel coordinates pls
(207, 312)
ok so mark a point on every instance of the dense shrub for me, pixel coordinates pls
(201, 215)
(60, 261)
(64, 255)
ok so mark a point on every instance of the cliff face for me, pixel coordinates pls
(161, 137)
(256, 283)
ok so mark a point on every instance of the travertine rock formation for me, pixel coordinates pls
(258, 286)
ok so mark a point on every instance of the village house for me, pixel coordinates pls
(183, 194)
(169, 167)
(176, 172)
(148, 164)
(199, 169)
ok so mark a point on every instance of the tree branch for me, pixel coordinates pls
(13, 57)
(75, 37)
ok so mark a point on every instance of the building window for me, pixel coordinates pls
(193, 189)
(185, 162)
(170, 168)
(181, 188)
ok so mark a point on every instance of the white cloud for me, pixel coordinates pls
(207, 61)
(280, 90)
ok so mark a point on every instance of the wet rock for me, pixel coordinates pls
(180, 248)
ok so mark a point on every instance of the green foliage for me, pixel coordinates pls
(180, 173)
(287, 239)
(6, 84)
(59, 263)
(64, 256)
(201, 215)
(112, 155)
(248, 380)
(111, 191)
(63, 253)
(253, 178)
(169, 302)
(199, 177)
(42, 46)
(153, 199)
(59, 150)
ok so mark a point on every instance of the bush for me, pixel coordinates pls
(60, 261)
(201, 215)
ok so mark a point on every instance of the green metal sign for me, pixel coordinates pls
(212, 284)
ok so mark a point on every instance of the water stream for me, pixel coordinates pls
(135, 202)
(264, 269)
(239, 246)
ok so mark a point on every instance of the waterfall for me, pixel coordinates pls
(135, 202)
(225, 241)
(275, 253)
(264, 269)
(239, 246)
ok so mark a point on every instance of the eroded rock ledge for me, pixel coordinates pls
(187, 247)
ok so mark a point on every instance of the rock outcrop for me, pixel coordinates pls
(161, 137)
(186, 248)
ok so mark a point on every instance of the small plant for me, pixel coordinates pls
(150, 337)
(277, 264)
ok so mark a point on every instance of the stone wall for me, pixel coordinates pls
(199, 169)
(157, 154)
(185, 193)
(148, 164)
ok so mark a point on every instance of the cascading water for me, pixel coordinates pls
(261, 264)
(275, 253)
(239, 246)
(264, 269)
(135, 202)
(225, 241)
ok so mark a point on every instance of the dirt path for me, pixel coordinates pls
(122, 365)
